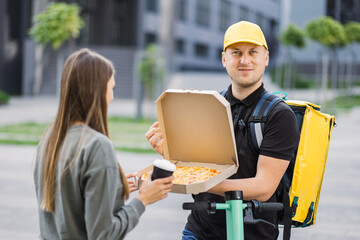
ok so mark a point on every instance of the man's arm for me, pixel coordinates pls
(261, 187)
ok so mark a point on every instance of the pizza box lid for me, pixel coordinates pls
(197, 126)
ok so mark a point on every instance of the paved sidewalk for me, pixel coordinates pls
(338, 215)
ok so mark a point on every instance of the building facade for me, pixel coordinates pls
(190, 32)
(199, 26)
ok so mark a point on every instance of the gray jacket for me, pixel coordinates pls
(88, 201)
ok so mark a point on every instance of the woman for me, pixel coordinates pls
(80, 186)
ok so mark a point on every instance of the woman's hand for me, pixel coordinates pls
(155, 138)
(153, 191)
(130, 179)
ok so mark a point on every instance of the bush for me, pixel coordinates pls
(4, 98)
(304, 83)
(300, 81)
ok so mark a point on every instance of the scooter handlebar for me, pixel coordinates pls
(258, 207)
(198, 206)
(272, 206)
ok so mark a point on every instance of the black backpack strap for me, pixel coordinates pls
(223, 93)
(287, 214)
(259, 116)
(257, 122)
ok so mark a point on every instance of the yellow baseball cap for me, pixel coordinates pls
(244, 32)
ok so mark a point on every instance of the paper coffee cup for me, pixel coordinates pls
(162, 168)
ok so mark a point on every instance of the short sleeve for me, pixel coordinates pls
(281, 135)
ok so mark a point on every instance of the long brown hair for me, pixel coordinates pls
(82, 99)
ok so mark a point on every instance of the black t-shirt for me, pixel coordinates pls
(280, 139)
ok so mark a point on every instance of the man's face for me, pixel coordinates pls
(245, 63)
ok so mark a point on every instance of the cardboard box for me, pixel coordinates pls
(199, 131)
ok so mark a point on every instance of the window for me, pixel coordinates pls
(260, 20)
(150, 38)
(201, 50)
(203, 12)
(273, 27)
(225, 10)
(343, 11)
(219, 52)
(244, 14)
(152, 6)
(180, 46)
(180, 9)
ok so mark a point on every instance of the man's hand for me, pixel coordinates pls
(131, 181)
(155, 138)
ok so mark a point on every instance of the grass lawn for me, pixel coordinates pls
(343, 104)
(347, 102)
(126, 133)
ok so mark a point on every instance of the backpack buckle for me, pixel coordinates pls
(258, 119)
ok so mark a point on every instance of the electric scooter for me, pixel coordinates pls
(237, 212)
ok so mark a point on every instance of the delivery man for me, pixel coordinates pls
(245, 56)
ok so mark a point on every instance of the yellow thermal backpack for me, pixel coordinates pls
(301, 184)
(315, 134)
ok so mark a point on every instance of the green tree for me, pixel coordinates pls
(291, 37)
(151, 69)
(326, 31)
(57, 23)
(331, 34)
(352, 31)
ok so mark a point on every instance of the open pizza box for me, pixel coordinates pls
(199, 131)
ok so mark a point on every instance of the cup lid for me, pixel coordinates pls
(165, 164)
